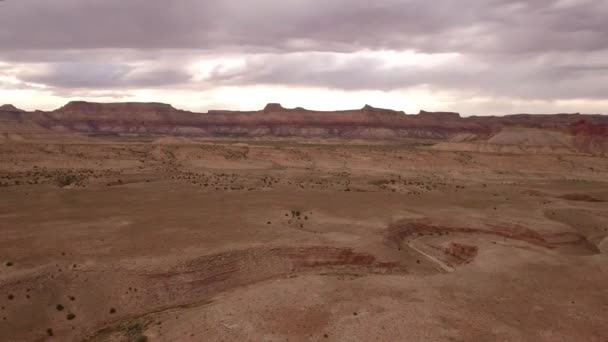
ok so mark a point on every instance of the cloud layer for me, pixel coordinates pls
(544, 50)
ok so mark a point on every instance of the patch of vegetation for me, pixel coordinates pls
(134, 333)
(379, 182)
(70, 316)
(66, 179)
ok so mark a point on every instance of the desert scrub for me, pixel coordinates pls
(65, 179)
(134, 333)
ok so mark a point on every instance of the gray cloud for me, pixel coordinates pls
(103, 75)
(541, 49)
(504, 26)
(535, 78)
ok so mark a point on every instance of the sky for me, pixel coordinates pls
(477, 57)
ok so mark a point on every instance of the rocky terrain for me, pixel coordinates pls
(140, 222)
(561, 132)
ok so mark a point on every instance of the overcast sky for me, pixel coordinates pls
(474, 56)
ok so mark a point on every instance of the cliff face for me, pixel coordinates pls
(590, 137)
(439, 116)
(275, 120)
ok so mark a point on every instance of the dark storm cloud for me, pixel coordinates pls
(102, 75)
(504, 26)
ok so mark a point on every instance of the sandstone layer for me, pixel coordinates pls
(572, 132)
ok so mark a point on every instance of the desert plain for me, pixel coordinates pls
(497, 235)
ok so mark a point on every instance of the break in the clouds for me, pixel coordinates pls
(477, 56)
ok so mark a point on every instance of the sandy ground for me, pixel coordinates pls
(190, 240)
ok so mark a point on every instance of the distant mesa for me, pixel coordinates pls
(368, 108)
(126, 107)
(221, 111)
(10, 108)
(273, 108)
(440, 115)
(9, 112)
(588, 133)
(278, 108)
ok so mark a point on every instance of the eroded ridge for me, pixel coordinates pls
(404, 230)
(197, 281)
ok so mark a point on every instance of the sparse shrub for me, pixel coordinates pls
(134, 333)
(380, 182)
(67, 179)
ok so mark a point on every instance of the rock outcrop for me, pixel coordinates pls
(10, 112)
(274, 108)
(590, 137)
(10, 108)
